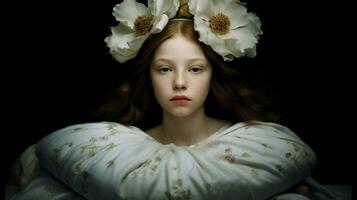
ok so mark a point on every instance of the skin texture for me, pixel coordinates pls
(179, 67)
(187, 72)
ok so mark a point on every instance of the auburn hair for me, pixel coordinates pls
(229, 98)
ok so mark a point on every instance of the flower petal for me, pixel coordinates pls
(215, 42)
(221, 49)
(136, 44)
(121, 34)
(123, 43)
(127, 12)
(159, 24)
(237, 15)
(123, 55)
(168, 7)
(240, 40)
(254, 24)
(201, 9)
(251, 52)
(244, 30)
(202, 27)
(234, 47)
(217, 6)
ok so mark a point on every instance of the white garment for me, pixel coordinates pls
(110, 161)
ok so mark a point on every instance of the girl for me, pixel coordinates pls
(188, 126)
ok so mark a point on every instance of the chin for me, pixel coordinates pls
(180, 112)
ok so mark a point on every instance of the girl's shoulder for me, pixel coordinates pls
(261, 127)
(90, 132)
(93, 126)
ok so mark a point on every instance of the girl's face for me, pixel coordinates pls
(180, 69)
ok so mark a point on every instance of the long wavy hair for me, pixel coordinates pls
(229, 98)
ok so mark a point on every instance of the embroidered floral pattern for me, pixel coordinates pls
(77, 168)
(110, 163)
(179, 193)
(228, 155)
(267, 146)
(115, 151)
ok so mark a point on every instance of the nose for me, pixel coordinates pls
(179, 82)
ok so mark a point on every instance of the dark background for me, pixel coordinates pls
(56, 69)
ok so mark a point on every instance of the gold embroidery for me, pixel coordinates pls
(57, 153)
(179, 193)
(228, 155)
(69, 144)
(229, 158)
(105, 137)
(92, 139)
(228, 150)
(267, 146)
(110, 146)
(153, 165)
(77, 168)
(157, 159)
(91, 148)
(294, 157)
(112, 128)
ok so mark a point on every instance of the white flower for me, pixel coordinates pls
(226, 26)
(137, 22)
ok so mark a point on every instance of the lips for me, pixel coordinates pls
(176, 98)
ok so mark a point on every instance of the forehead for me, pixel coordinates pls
(179, 47)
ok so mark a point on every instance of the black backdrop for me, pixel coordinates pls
(56, 69)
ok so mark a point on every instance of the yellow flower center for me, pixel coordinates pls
(142, 25)
(219, 24)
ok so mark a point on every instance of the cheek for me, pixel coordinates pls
(161, 84)
(202, 87)
(159, 87)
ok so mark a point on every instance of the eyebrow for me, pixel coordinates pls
(189, 60)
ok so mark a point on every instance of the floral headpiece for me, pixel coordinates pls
(224, 25)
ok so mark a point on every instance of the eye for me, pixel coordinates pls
(195, 69)
(165, 69)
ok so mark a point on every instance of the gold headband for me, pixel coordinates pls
(181, 19)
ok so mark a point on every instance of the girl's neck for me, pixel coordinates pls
(186, 131)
